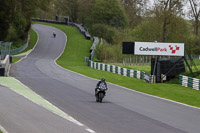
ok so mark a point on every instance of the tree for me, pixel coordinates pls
(28, 9)
(18, 13)
(166, 10)
(6, 14)
(84, 8)
(135, 10)
(109, 12)
(110, 34)
(68, 7)
(150, 30)
(77, 10)
(195, 9)
(20, 24)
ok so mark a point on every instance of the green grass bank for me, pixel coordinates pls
(15, 59)
(73, 59)
(32, 42)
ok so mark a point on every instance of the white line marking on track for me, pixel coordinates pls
(111, 83)
(90, 130)
(67, 117)
(63, 49)
(26, 55)
(133, 90)
(70, 118)
(3, 129)
(158, 97)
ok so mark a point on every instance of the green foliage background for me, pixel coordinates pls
(113, 20)
(15, 18)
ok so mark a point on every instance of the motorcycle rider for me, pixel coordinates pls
(103, 80)
(54, 34)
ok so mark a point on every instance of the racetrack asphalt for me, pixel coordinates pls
(20, 115)
(123, 110)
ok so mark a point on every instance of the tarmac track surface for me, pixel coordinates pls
(20, 115)
(123, 111)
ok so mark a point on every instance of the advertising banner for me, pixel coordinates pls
(153, 48)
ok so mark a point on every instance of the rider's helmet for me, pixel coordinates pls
(103, 79)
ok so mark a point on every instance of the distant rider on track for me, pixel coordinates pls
(103, 80)
(54, 34)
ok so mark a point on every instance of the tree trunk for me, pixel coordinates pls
(196, 30)
(164, 37)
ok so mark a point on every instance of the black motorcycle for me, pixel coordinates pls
(54, 34)
(101, 91)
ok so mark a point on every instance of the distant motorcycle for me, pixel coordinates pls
(54, 34)
(101, 91)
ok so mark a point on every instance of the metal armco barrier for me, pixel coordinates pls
(92, 49)
(48, 21)
(17, 50)
(78, 26)
(121, 71)
(82, 30)
(189, 82)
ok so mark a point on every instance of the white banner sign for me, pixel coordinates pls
(150, 48)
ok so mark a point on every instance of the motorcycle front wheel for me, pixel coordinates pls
(101, 95)
(97, 100)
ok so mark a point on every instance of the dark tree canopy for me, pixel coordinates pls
(6, 13)
(135, 10)
(109, 12)
(17, 14)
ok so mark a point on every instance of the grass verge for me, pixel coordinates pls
(73, 59)
(18, 43)
(76, 49)
(32, 42)
(15, 59)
